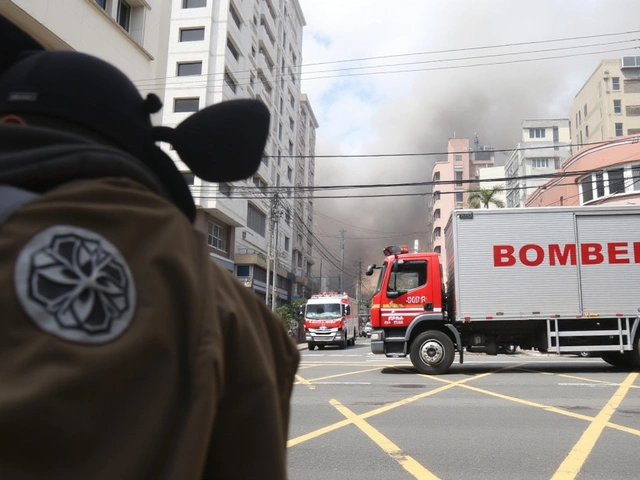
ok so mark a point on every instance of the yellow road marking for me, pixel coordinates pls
(405, 461)
(573, 377)
(386, 408)
(310, 382)
(575, 460)
(548, 408)
(306, 383)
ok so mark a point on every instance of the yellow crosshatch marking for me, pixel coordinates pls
(581, 450)
(569, 468)
(407, 462)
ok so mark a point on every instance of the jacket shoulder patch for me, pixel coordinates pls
(76, 285)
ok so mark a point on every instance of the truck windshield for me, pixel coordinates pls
(324, 311)
(380, 277)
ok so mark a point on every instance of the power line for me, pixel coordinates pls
(160, 81)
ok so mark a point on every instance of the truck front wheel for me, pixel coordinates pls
(432, 352)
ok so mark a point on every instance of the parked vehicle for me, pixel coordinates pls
(330, 318)
(367, 329)
(562, 280)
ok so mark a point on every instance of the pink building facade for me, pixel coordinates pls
(603, 173)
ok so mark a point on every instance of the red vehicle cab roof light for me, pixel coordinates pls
(395, 250)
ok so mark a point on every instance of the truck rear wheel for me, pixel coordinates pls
(432, 352)
(618, 359)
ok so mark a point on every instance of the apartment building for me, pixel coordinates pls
(608, 104)
(452, 179)
(604, 173)
(130, 34)
(544, 145)
(227, 49)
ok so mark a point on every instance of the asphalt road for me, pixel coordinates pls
(361, 416)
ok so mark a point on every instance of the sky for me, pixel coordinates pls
(492, 71)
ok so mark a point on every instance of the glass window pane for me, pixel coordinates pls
(191, 34)
(189, 68)
(182, 105)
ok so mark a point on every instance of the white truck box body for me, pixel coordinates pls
(608, 286)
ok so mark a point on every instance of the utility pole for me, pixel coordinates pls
(359, 287)
(342, 232)
(274, 217)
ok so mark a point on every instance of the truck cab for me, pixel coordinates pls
(409, 302)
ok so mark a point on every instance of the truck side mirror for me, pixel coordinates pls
(370, 270)
(347, 310)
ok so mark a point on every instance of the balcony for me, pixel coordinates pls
(266, 69)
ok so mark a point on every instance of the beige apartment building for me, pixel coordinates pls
(608, 104)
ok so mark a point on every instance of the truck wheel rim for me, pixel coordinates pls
(432, 352)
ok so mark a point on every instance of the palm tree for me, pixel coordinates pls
(482, 197)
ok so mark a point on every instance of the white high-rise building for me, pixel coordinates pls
(133, 35)
(226, 49)
(545, 144)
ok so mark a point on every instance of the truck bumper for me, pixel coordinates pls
(377, 342)
(325, 338)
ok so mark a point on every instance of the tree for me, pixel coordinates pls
(483, 197)
(288, 313)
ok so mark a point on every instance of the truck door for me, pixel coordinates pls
(608, 259)
(407, 292)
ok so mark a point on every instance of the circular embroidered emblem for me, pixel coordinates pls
(75, 284)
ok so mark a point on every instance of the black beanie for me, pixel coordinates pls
(80, 89)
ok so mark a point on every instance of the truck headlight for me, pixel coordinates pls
(375, 336)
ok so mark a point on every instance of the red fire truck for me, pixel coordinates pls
(562, 280)
(330, 318)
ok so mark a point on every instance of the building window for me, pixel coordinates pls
(635, 175)
(616, 180)
(232, 48)
(540, 163)
(615, 84)
(216, 237)
(458, 158)
(194, 3)
(619, 130)
(124, 14)
(436, 214)
(600, 184)
(256, 220)
(437, 232)
(459, 197)
(438, 249)
(585, 110)
(186, 69)
(436, 196)
(586, 131)
(225, 189)
(287, 242)
(186, 105)
(189, 178)
(587, 189)
(536, 133)
(291, 123)
(235, 16)
(290, 173)
(102, 4)
(287, 217)
(192, 34)
(617, 106)
(230, 81)
(458, 179)
(436, 177)
(290, 148)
